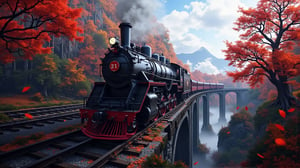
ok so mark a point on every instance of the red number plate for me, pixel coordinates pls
(114, 66)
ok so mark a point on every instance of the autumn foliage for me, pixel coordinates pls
(235, 140)
(25, 25)
(265, 49)
(29, 27)
(279, 147)
(74, 74)
(95, 44)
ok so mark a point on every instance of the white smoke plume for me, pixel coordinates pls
(141, 15)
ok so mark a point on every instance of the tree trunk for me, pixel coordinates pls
(284, 97)
(53, 43)
(45, 90)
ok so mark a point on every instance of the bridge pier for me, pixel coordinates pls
(222, 118)
(195, 126)
(206, 127)
(183, 129)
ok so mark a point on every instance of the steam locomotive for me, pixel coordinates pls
(139, 87)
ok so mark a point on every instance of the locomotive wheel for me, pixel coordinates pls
(170, 106)
(142, 118)
(163, 111)
(157, 116)
(132, 128)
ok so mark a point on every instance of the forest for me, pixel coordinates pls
(53, 49)
(59, 53)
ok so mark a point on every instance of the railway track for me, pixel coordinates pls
(36, 112)
(75, 150)
(40, 116)
(72, 150)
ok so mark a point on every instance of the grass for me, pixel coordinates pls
(21, 141)
(7, 107)
(4, 118)
(4, 107)
(66, 129)
(37, 137)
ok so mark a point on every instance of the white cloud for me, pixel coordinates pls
(190, 64)
(206, 67)
(188, 43)
(214, 17)
(187, 7)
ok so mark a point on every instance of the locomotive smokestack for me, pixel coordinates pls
(125, 34)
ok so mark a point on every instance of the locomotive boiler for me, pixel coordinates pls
(139, 87)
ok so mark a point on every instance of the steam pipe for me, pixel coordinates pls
(125, 34)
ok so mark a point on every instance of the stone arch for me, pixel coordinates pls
(181, 149)
(235, 104)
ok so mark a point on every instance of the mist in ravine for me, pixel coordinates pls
(211, 141)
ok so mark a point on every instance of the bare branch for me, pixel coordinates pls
(15, 15)
(33, 37)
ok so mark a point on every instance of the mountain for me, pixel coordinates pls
(204, 61)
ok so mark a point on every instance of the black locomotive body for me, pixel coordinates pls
(139, 87)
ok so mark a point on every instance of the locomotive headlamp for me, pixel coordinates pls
(113, 41)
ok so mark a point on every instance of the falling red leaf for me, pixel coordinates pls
(195, 163)
(259, 155)
(291, 110)
(237, 107)
(228, 132)
(280, 142)
(246, 108)
(280, 127)
(29, 116)
(282, 113)
(26, 88)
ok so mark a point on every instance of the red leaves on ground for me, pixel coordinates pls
(25, 89)
(280, 127)
(280, 142)
(152, 146)
(29, 116)
(282, 113)
(259, 155)
(291, 110)
(158, 139)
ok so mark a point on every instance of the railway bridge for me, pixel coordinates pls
(183, 129)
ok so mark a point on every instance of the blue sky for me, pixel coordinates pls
(206, 23)
(193, 24)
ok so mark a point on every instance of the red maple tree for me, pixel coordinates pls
(265, 48)
(25, 25)
(95, 44)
